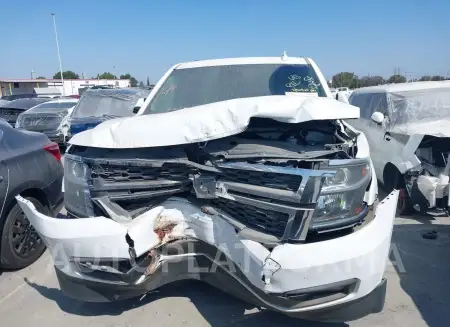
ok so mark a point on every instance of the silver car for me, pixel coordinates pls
(47, 118)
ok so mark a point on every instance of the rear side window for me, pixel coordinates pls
(360, 101)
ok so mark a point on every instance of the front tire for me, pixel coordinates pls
(20, 244)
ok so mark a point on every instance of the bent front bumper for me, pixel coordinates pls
(98, 259)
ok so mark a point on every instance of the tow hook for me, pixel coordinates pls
(131, 249)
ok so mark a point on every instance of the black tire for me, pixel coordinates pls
(393, 179)
(20, 244)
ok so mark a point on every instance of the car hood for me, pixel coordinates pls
(210, 121)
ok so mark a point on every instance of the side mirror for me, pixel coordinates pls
(341, 97)
(136, 110)
(377, 117)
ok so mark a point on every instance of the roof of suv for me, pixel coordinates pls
(244, 61)
(403, 87)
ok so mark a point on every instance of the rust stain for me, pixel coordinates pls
(163, 227)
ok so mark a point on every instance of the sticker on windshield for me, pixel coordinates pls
(302, 84)
(168, 90)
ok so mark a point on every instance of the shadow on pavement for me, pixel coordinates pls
(426, 263)
(217, 308)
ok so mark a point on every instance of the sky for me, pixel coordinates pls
(146, 37)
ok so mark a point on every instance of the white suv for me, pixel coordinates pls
(238, 172)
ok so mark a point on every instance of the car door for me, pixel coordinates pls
(376, 132)
(3, 183)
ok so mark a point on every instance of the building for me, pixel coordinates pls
(71, 86)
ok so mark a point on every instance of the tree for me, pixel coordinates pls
(42, 77)
(68, 74)
(345, 79)
(438, 78)
(371, 81)
(107, 75)
(397, 79)
(133, 81)
(425, 78)
(141, 84)
(148, 81)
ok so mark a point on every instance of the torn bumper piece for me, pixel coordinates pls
(98, 259)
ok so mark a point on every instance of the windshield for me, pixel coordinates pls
(105, 103)
(191, 87)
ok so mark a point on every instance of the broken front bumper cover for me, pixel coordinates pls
(98, 259)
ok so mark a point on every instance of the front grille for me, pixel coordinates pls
(266, 179)
(266, 221)
(40, 122)
(134, 173)
(139, 184)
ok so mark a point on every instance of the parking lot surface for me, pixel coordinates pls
(418, 294)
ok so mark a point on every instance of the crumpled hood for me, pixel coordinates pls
(210, 121)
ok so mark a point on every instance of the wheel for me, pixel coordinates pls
(393, 179)
(20, 244)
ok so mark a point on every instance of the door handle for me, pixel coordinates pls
(387, 136)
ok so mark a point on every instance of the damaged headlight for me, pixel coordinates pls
(342, 195)
(77, 199)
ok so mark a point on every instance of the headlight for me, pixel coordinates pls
(342, 195)
(19, 121)
(77, 197)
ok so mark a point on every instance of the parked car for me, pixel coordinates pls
(18, 96)
(238, 172)
(11, 110)
(408, 129)
(98, 105)
(30, 165)
(47, 118)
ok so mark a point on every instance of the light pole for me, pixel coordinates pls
(59, 55)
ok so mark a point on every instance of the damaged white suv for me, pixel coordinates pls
(408, 129)
(236, 172)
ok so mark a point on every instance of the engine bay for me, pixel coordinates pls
(427, 183)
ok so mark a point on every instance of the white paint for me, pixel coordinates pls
(210, 121)
(302, 265)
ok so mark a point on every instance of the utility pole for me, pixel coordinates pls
(59, 55)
